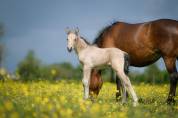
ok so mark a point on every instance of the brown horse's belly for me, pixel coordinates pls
(140, 56)
(142, 60)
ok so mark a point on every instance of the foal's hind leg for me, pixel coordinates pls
(124, 92)
(170, 63)
(125, 79)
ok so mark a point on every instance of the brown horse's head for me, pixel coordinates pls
(95, 83)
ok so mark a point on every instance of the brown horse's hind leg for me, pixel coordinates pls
(170, 63)
(118, 92)
(119, 89)
(118, 85)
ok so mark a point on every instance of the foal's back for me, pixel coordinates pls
(95, 56)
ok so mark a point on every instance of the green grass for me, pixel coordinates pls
(45, 99)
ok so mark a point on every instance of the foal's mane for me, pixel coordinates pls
(85, 40)
(103, 32)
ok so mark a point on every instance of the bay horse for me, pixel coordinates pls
(91, 57)
(145, 43)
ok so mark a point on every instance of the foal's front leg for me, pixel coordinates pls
(86, 81)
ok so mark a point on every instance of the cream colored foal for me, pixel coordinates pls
(91, 56)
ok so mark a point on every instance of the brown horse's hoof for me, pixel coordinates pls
(171, 101)
(118, 96)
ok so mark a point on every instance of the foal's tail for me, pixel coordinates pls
(126, 63)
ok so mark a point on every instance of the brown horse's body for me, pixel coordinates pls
(145, 43)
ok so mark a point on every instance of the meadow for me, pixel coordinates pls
(63, 99)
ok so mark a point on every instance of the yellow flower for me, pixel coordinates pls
(66, 112)
(69, 112)
(34, 114)
(37, 99)
(95, 108)
(2, 71)
(50, 106)
(122, 115)
(62, 99)
(53, 71)
(25, 90)
(45, 100)
(83, 107)
(8, 105)
(14, 115)
(8, 76)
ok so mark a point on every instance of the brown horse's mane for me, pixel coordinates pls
(102, 32)
(106, 29)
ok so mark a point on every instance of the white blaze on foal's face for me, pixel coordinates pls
(71, 39)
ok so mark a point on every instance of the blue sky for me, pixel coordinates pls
(39, 24)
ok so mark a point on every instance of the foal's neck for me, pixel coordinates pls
(80, 45)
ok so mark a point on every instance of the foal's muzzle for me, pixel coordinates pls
(69, 49)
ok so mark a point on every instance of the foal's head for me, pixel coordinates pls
(72, 36)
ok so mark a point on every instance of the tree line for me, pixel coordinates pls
(31, 68)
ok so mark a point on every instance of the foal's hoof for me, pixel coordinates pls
(85, 98)
(93, 99)
(171, 101)
(118, 96)
(135, 104)
(123, 103)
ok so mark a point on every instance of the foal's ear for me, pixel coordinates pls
(67, 30)
(77, 30)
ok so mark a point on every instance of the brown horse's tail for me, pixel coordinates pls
(126, 63)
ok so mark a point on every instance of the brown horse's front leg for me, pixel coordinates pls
(171, 68)
(173, 83)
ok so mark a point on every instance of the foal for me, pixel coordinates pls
(91, 56)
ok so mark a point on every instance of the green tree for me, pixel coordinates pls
(152, 74)
(29, 67)
(64, 70)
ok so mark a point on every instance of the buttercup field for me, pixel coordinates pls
(88, 59)
(55, 99)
